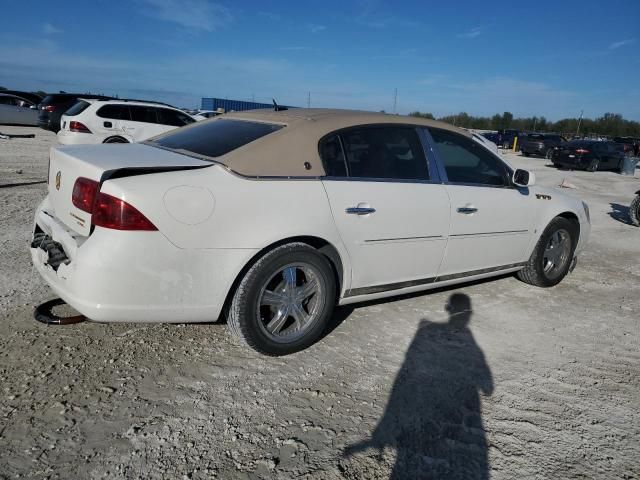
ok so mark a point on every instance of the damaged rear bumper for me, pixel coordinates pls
(115, 276)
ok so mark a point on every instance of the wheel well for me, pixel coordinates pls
(106, 140)
(324, 247)
(572, 217)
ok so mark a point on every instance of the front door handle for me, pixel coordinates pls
(467, 210)
(359, 210)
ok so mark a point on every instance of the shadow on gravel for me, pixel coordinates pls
(433, 419)
(620, 213)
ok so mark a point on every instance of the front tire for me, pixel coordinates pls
(551, 258)
(634, 211)
(593, 166)
(285, 300)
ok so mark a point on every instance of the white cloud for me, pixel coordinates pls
(622, 43)
(49, 29)
(316, 28)
(191, 14)
(472, 33)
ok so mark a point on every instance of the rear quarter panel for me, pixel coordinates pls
(244, 213)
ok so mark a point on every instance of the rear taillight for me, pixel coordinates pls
(106, 210)
(111, 212)
(78, 127)
(49, 108)
(582, 151)
(84, 194)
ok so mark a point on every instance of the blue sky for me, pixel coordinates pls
(531, 58)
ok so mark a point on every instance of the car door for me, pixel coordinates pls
(169, 119)
(491, 220)
(112, 118)
(390, 210)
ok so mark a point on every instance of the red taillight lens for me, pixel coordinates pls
(84, 194)
(49, 108)
(581, 151)
(111, 212)
(78, 127)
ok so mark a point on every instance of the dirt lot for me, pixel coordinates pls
(541, 383)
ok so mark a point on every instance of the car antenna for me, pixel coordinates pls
(276, 107)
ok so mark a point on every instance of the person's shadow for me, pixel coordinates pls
(433, 418)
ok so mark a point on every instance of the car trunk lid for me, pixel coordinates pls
(99, 163)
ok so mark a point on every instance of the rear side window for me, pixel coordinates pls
(466, 161)
(217, 137)
(172, 117)
(78, 107)
(143, 114)
(390, 153)
(115, 112)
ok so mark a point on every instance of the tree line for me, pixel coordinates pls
(610, 124)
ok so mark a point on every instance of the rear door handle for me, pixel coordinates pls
(359, 210)
(467, 210)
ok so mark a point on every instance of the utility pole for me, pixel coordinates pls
(308, 99)
(395, 100)
(535, 120)
(579, 122)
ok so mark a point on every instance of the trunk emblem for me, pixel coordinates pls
(58, 175)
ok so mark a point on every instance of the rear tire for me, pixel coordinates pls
(285, 300)
(115, 140)
(634, 211)
(551, 258)
(526, 154)
(593, 166)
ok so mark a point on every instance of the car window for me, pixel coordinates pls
(215, 138)
(465, 161)
(78, 107)
(167, 116)
(143, 114)
(115, 112)
(332, 156)
(393, 153)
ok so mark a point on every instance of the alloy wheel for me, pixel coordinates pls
(290, 302)
(556, 253)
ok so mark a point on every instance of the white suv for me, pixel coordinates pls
(118, 121)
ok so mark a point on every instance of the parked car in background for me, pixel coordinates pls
(542, 144)
(589, 155)
(274, 217)
(630, 145)
(493, 137)
(485, 142)
(54, 105)
(19, 108)
(118, 121)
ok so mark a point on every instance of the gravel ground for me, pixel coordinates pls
(534, 383)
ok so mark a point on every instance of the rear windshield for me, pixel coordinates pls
(215, 138)
(78, 107)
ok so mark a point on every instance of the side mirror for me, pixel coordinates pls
(524, 178)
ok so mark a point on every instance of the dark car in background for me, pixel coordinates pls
(542, 144)
(54, 105)
(589, 155)
(19, 108)
(630, 145)
(506, 138)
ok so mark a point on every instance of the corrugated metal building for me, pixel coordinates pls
(233, 105)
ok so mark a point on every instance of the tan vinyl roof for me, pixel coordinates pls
(284, 153)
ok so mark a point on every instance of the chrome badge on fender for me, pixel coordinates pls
(58, 175)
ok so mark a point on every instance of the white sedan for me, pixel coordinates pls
(270, 219)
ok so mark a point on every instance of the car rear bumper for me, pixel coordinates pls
(65, 137)
(115, 276)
